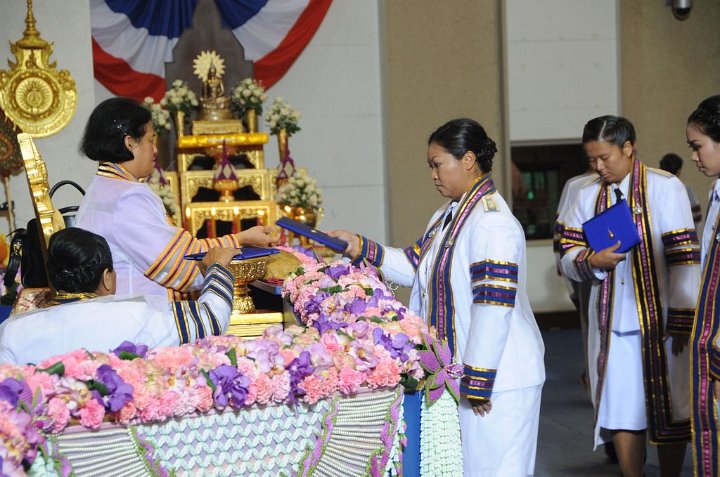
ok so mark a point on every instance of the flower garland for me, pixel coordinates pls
(282, 116)
(300, 191)
(246, 95)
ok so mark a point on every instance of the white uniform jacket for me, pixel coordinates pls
(147, 250)
(652, 292)
(468, 280)
(101, 324)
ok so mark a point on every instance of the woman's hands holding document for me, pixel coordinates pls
(354, 248)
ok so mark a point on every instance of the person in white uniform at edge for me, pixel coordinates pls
(703, 137)
(642, 303)
(147, 249)
(468, 279)
(86, 314)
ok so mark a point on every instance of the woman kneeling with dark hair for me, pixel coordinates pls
(80, 267)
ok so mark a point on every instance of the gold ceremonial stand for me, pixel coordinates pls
(207, 136)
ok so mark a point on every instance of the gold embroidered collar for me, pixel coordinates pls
(116, 171)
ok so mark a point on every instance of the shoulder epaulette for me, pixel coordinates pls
(489, 204)
(661, 172)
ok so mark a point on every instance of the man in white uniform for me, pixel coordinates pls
(87, 315)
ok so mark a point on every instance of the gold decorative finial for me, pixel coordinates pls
(33, 94)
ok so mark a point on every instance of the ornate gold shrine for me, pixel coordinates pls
(37, 97)
(208, 133)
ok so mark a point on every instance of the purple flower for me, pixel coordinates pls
(118, 391)
(324, 324)
(308, 252)
(337, 271)
(313, 305)
(231, 386)
(13, 391)
(298, 369)
(399, 346)
(379, 294)
(356, 307)
(359, 329)
(129, 348)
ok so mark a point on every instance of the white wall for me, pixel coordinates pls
(67, 25)
(562, 70)
(546, 290)
(335, 84)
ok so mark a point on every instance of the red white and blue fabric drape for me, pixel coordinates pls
(133, 39)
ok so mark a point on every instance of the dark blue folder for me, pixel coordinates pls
(611, 225)
(244, 254)
(313, 234)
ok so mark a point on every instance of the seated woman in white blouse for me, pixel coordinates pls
(88, 315)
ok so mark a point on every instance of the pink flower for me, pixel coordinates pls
(205, 398)
(350, 380)
(169, 402)
(385, 374)
(127, 413)
(92, 414)
(263, 388)
(280, 387)
(251, 395)
(58, 413)
(330, 382)
(330, 341)
(289, 354)
(313, 387)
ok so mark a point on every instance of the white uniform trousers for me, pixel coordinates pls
(503, 443)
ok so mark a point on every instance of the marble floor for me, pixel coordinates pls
(566, 416)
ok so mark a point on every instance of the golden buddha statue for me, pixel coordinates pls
(214, 105)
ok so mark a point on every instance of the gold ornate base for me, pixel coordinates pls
(252, 324)
(243, 305)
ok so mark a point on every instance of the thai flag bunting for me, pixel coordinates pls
(133, 39)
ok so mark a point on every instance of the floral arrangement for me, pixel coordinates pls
(179, 98)
(282, 116)
(357, 336)
(246, 95)
(300, 191)
(134, 385)
(160, 116)
(161, 186)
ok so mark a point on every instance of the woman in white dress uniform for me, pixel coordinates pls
(642, 303)
(147, 248)
(703, 137)
(467, 274)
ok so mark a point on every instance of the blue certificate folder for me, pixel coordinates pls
(313, 234)
(245, 253)
(611, 225)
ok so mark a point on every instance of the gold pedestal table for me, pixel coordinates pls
(245, 320)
